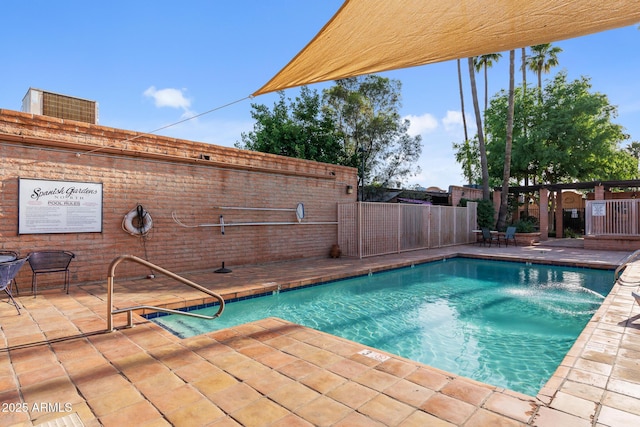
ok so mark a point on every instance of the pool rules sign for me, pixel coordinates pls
(598, 209)
(59, 207)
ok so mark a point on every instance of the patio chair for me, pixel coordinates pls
(10, 256)
(43, 262)
(488, 236)
(510, 234)
(636, 297)
(8, 272)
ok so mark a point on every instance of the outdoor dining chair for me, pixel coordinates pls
(43, 262)
(488, 236)
(5, 256)
(8, 272)
(8, 255)
(510, 234)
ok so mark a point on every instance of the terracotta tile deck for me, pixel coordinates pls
(56, 360)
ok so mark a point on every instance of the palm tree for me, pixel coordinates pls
(634, 149)
(465, 145)
(486, 195)
(464, 119)
(502, 213)
(523, 68)
(543, 58)
(483, 62)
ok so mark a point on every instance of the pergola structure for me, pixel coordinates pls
(631, 183)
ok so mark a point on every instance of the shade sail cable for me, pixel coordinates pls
(169, 125)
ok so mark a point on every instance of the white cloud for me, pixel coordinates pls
(168, 97)
(452, 121)
(437, 162)
(437, 168)
(420, 125)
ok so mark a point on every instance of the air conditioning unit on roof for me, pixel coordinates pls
(51, 104)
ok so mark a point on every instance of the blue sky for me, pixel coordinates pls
(149, 64)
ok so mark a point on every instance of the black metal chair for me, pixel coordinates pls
(43, 262)
(8, 272)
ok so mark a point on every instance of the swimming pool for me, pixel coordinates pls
(503, 323)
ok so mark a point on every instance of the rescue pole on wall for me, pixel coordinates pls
(299, 212)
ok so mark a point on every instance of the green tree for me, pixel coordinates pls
(578, 125)
(522, 160)
(297, 129)
(572, 136)
(354, 123)
(634, 149)
(468, 156)
(543, 58)
(365, 111)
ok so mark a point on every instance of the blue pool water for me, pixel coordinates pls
(502, 323)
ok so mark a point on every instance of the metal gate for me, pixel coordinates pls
(573, 219)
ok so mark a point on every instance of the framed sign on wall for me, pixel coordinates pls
(46, 206)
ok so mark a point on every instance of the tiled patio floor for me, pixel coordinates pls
(56, 360)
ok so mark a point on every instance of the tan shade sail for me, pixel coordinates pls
(369, 36)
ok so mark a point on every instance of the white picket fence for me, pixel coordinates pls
(369, 229)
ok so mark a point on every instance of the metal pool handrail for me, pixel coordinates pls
(155, 268)
(622, 266)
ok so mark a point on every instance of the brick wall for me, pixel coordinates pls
(167, 176)
(468, 193)
(612, 243)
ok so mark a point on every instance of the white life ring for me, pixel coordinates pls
(143, 221)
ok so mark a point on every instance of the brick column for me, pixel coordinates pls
(597, 222)
(559, 213)
(496, 204)
(544, 214)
